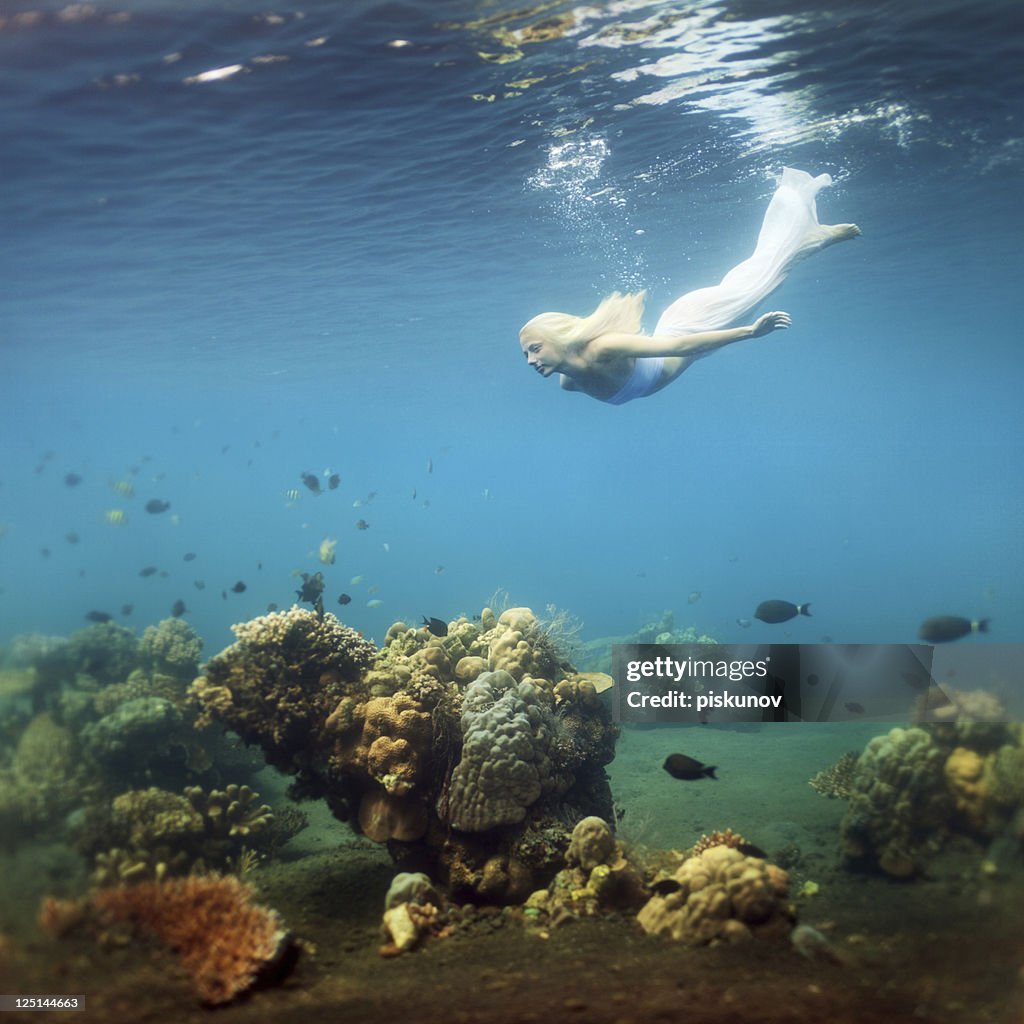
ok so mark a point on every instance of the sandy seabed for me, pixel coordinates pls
(947, 948)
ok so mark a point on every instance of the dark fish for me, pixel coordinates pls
(72, 537)
(272, 607)
(239, 587)
(362, 524)
(155, 506)
(750, 850)
(199, 584)
(178, 608)
(311, 481)
(679, 766)
(344, 599)
(127, 609)
(312, 588)
(438, 627)
(150, 570)
(694, 597)
(72, 479)
(854, 708)
(45, 552)
(780, 611)
(943, 628)
(190, 556)
(665, 886)
(333, 481)
(98, 616)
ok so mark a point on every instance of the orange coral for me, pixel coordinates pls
(57, 917)
(225, 941)
(726, 838)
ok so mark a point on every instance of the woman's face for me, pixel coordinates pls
(540, 354)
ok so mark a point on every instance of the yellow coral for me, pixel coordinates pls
(964, 771)
(722, 895)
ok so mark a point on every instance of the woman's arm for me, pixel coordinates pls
(612, 345)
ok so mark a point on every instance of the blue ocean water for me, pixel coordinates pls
(241, 245)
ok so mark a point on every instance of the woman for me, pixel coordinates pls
(604, 355)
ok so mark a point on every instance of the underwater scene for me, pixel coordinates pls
(378, 379)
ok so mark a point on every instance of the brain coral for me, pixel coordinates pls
(507, 738)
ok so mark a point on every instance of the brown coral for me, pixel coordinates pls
(225, 941)
(392, 744)
(284, 675)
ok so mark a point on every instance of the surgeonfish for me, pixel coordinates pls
(941, 629)
(780, 611)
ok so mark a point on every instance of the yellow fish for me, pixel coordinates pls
(123, 487)
(326, 553)
(116, 517)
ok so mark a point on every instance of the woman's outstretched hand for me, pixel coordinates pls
(763, 325)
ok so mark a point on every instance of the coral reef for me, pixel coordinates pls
(172, 647)
(597, 878)
(277, 684)
(899, 802)
(471, 752)
(225, 941)
(913, 788)
(721, 895)
(45, 779)
(152, 833)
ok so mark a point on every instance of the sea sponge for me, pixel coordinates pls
(722, 896)
(224, 940)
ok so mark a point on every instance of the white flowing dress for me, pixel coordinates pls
(790, 232)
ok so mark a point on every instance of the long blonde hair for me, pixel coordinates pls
(617, 312)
